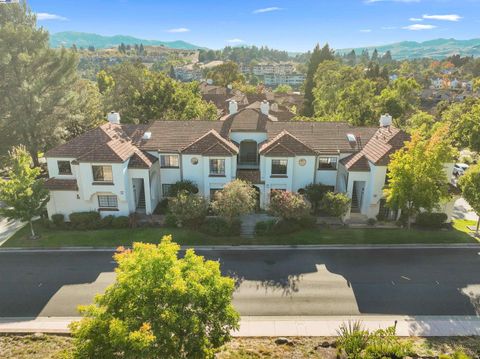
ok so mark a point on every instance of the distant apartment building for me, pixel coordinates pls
(292, 79)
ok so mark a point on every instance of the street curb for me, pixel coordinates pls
(259, 247)
(290, 326)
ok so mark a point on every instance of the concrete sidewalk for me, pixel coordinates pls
(428, 326)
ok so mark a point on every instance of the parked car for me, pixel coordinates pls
(459, 169)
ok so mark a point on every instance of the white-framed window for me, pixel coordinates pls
(64, 168)
(169, 161)
(107, 201)
(166, 189)
(279, 167)
(327, 163)
(102, 173)
(217, 167)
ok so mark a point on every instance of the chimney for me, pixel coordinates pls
(113, 117)
(265, 107)
(232, 107)
(385, 120)
(209, 82)
(274, 107)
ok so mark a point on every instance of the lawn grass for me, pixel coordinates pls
(125, 237)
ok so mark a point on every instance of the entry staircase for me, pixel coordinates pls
(141, 200)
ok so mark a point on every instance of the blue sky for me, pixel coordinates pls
(294, 25)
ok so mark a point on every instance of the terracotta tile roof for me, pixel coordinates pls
(323, 137)
(285, 144)
(173, 136)
(252, 176)
(211, 144)
(378, 149)
(107, 143)
(57, 184)
(247, 120)
(142, 160)
(356, 162)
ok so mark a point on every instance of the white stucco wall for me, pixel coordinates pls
(193, 172)
(303, 175)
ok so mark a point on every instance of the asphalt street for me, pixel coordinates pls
(269, 282)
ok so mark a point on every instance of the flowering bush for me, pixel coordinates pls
(288, 205)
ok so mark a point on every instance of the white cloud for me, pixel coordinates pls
(415, 19)
(448, 17)
(366, 30)
(180, 29)
(235, 41)
(46, 16)
(418, 27)
(267, 9)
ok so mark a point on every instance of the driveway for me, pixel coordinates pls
(462, 210)
(8, 228)
(268, 282)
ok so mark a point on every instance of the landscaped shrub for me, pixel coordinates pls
(336, 204)
(235, 199)
(458, 354)
(352, 339)
(180, 186)
(162, 207)
(189, 209)
(120, 222)
(217, 226)
(106, 221)
(85, 220)
(354, 342)
(264, 227)
(315, 192)
(431, 220)
(288, 205)
(170, 221)
(383, 343)
(58, 220)
(371, 221)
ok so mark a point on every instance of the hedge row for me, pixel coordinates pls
(88, 221)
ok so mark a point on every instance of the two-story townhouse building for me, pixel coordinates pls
(119, 169)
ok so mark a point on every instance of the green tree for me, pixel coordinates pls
(86, 109)
(35, 90)
(22, 193)
(470, 185)
(225, 74)
(416, 175)
(422, 121)
(235, 199)
(357, 103)
(464, 121)
(283, 89)
(160, 306)
(332, 81)
(141, 95)
(318, 56)
(400, 99)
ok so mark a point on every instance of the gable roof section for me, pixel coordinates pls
(285, 144)
(211, 144)
(246, 120)
(378, 149)
(109, 143)
(56, 184)
(141, 160)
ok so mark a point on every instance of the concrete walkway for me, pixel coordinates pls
(428, 326)
(249, 221)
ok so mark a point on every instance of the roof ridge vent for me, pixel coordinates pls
(147, 135)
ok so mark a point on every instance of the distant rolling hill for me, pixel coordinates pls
(437, 49)
(83, 39)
